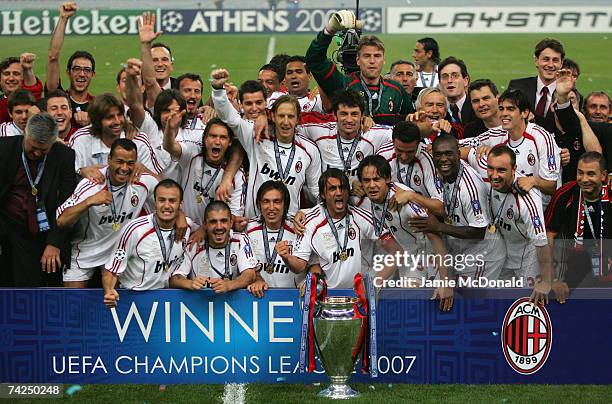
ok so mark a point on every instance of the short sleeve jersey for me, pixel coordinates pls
(138, 259)
(94, 236)
(420, 175)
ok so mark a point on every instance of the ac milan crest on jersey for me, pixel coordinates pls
(510, 213)
(134, 200)
(526, 336)
(531, 159)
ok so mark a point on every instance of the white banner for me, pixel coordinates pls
(416, 20)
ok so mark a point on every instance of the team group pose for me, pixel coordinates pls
(151, 186)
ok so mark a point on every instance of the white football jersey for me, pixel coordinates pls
(536, 152)
(200, 182)
(138, 260)
(94, 236)
(282, 277)
(305, 168)
(420, 175)
(90, 150)
(427, 79)
(325, 137)
(519, 219)
(10, 129)
(471, 208)
(308, 105)
(217, 263)
(318, 240)
(397, 222)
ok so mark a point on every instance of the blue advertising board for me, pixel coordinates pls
(172, 336)
(234, 21)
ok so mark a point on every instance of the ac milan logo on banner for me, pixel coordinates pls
(526, 336)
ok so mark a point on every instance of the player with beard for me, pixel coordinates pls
(579, 221)
(467, 214)
(412, 166)
(519, 219)
(15, 73)
(202, 167)
(57, 104)
(100, 210)
(91, 144)
(267, 233)
(81, 68)
(147, 252)
(21, 104)
(283, 155)
(375, 175)
(426, 55)
(344, 143)
(297, 80)
(484, 97)
(339, 235)
(225, 261)
(538, 155)
(386, 100)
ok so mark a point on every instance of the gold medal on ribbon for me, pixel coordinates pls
(198, 198)
(492, 228)
(448, 220)
(166, 267)
(116, 226)
(34, 191)
(270, 268)
(343, 256)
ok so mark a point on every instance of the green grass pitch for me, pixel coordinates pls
(499, 57)
(375, 394)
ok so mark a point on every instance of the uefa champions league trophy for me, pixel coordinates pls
(337, 332)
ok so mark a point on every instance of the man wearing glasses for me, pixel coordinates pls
(81, 69)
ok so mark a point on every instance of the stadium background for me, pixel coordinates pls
(499, 56)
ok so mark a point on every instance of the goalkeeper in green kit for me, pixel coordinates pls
(386, 101)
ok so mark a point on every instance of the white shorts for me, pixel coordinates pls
(76, 274)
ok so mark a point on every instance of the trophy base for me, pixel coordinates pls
(339, 392)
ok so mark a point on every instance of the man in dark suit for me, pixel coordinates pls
(36, 176)
(548, 58)
(454, 81)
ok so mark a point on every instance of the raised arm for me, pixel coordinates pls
(132, 91)
(52, 79)
(147, 34)
(171, 129)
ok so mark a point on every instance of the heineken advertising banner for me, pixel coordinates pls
(172, 336)
(119, 22)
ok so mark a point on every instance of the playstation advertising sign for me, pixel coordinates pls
(176, 336)
(234, 21)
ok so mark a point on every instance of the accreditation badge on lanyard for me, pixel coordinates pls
(41, 214)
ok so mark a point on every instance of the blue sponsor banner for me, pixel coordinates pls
(172, 336)
(262, 21)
